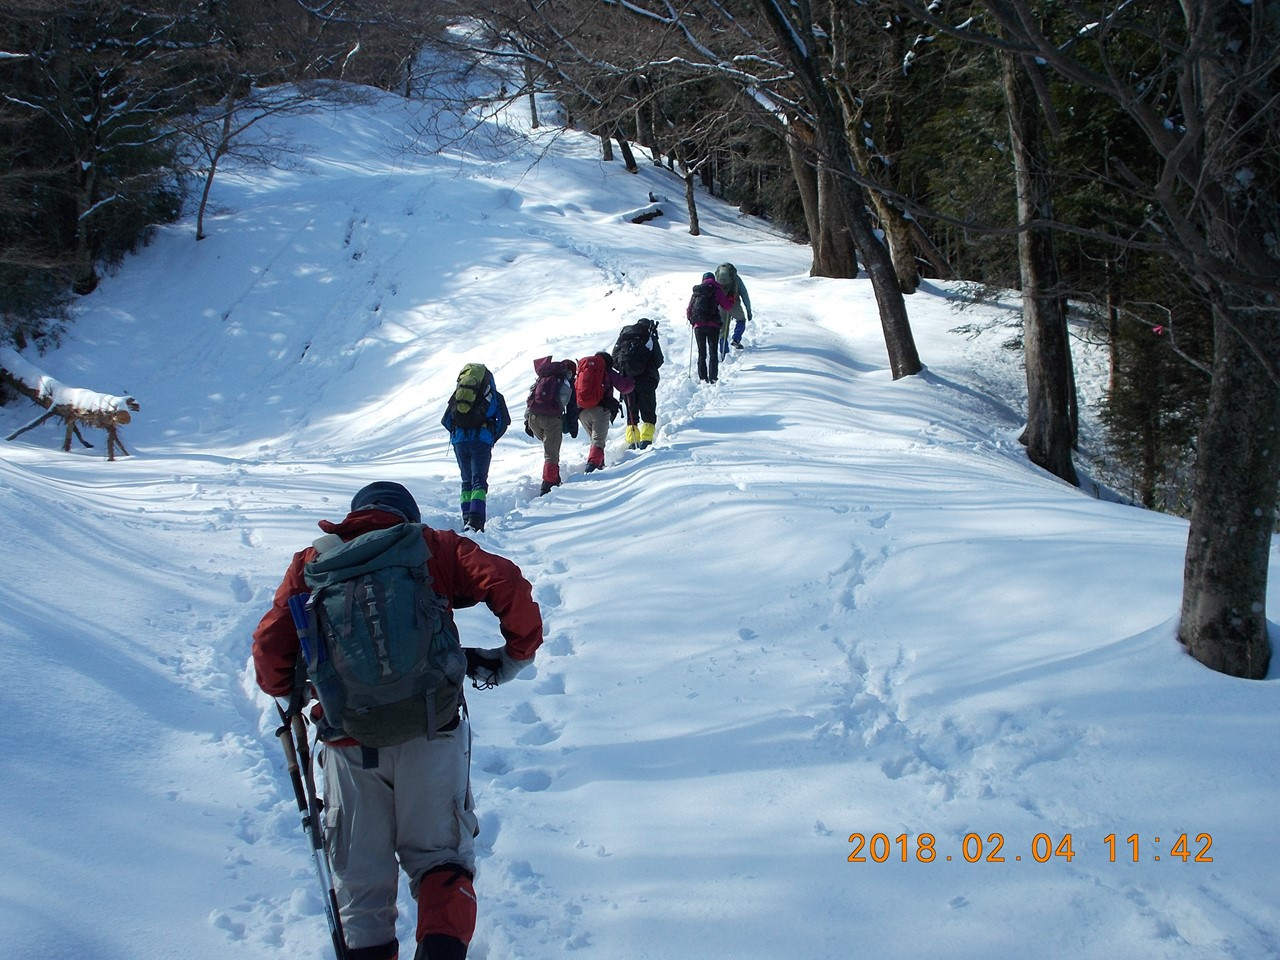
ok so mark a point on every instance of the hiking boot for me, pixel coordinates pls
(439, 946)
(546, 488)
(590, 468)
(644, 445)
(737, 344)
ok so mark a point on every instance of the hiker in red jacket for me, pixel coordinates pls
(409, 803)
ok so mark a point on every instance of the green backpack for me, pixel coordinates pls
(470, 400)
(384, 658)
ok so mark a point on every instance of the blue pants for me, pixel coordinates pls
(474, 457)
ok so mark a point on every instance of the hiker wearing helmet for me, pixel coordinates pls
(397, 789)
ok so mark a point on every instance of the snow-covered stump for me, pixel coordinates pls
(74, 405)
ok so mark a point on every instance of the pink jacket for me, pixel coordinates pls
(725, 301)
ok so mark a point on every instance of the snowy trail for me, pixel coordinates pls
(825, 603)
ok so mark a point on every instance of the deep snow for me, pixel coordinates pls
(826, 603)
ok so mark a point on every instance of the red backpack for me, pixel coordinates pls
(588, 389)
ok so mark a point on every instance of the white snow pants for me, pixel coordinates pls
(414, 808)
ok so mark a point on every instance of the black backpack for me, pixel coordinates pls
(703, 308)
(633, 353)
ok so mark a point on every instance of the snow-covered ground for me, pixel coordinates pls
(826, 606)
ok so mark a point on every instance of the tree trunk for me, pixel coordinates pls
(927, 249)
(1050, 435)
(216, 154)
(85, 274)
(806, 177)
(533, 96)
(624, 147)
(897, 235)
(1224, 585)
(1224, 622)
(1113, 325)
(834, 252)
(833, 151)
(690, 195)
(902, 244)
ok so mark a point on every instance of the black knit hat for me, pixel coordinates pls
(387, 495)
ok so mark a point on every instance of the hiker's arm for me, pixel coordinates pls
(275, 641)
(476, 576)
(504, 418)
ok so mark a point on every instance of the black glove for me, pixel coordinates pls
(527, 428)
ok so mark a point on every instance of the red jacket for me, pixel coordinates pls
(461, 573)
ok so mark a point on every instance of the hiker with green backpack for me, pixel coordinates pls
(363, 623)
(476, 418)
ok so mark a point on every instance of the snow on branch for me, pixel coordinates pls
(74, 405)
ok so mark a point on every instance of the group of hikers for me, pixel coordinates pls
(361, 644)
(568, 394)
(719, 298)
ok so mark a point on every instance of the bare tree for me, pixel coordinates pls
(1050, 435)
(1200, 81)
(99, 85)
(792, 30)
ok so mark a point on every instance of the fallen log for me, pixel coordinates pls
(74, 405)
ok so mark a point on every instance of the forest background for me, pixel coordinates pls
(1118, 163)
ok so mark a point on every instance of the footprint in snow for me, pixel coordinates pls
(529, 781)
(552, 683)
(240, 589)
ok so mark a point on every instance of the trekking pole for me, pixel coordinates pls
(297, 756)
(293, 731)
(691, 353)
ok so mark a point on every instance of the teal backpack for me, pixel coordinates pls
(384, 655)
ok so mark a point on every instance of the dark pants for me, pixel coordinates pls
(708, 339)
(474, 457)
(642, 402)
